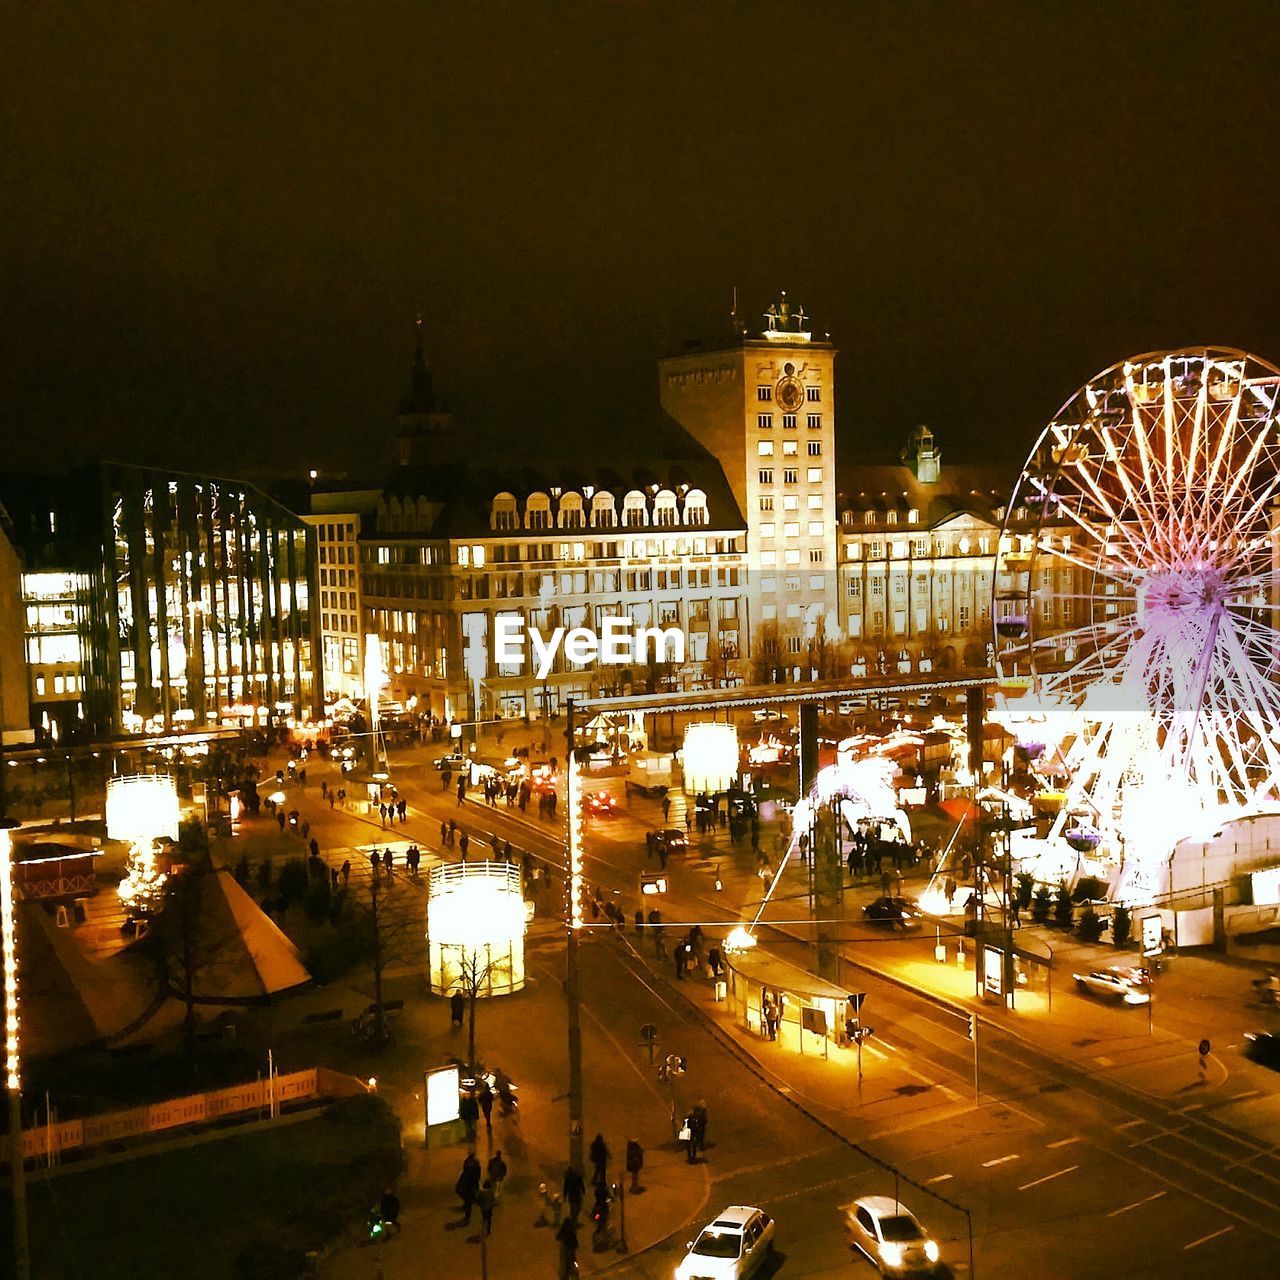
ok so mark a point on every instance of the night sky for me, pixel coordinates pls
(217, 220)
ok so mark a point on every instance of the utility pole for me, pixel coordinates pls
(573, 921)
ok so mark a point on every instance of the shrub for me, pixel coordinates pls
(1091, 925)
(1026, 887)
(334, 952)
(1121, 924)
(293, 880)
(1063, 907)
(264, 874)
(319, 899)
(1041, 904)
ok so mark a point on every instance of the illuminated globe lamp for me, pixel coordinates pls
(476, 921)
(710, 758)
(140, 810)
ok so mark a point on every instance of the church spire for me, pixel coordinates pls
(421, 397)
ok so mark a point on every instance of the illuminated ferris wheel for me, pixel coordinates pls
(1136, 592)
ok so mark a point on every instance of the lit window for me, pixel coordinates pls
(815, 528)
(815, 502)
(766, 475)
(791, 530)
(853, 551)
(790, 502)
(765, 448)
(790, 448)
(767, 530)
(768, 612)
(477, 557)
(891, 517)
(766, 504)
(815, 557)
(464, 556)
(815, 475)
(793, 557)
(913, 516)
(768, 559)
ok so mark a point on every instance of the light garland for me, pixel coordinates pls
(12, 1064)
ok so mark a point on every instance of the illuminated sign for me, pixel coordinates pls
(1151, 935)
(993, 971)
(442, 1095)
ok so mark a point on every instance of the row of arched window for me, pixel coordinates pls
(599, 509)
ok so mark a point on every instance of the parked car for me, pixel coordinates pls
(674, 839)
(737, 1243)
(902, 912)
(599, 804)
(453, 761)
(1112, 984)
(1263, 1047)
(654, 791)
(887, 1232)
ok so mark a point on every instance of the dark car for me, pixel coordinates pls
(654, 792)
(1263, 1048)
(904, 913)
(674, 839)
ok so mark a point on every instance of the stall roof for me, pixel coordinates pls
(782, 975)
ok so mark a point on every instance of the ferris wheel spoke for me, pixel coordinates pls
(1104, 501)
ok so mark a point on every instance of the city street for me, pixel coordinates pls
(1056, 1161)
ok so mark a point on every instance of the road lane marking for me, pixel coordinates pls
(988, 1164)
(1129, 1124)
(884, 1044)
(1048, 1177)
(1115, 1213)
(1104, 1062)
(1252, 1093)
(1205, 1239)
(1063, 1142)
(942, 1177)
(1195, 1106)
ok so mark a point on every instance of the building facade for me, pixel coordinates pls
(764, 406)
(154, 600)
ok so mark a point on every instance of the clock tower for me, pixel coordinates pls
(764, 405)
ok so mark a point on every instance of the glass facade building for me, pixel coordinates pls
(188, 600)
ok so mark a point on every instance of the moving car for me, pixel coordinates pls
(674, 840)
(887, 1232)
(599, 804)
(736, 1244)
(451, 762)
(767, 714)
(1114, 984)
(1263, 1048)
(902, 912)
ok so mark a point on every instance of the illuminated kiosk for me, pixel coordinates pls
(475, 929)
(141, 809)
(710, 758)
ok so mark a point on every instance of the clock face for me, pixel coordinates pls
(789, 394)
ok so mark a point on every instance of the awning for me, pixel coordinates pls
(781, 975)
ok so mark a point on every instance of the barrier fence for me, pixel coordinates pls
(42, 1140)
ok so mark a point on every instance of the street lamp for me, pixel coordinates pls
(12, 1058)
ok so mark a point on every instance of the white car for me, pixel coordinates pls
(768, 714)
(736, 1244)
(888, 1233)
(1110, 982)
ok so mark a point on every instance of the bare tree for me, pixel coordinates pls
(473, 976)
(397, 931)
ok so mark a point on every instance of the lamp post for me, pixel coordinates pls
(573, 922)
(13, 1076)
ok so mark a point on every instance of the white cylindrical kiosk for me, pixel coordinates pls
(710, 758)
(475, 929)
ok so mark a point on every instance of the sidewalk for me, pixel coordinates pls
(435, 1241)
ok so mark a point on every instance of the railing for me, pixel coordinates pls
(197, 1108)
(449, 876)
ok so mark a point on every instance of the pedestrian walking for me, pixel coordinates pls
(457, 1006)
(306, 830)
(463, 844)
(462, 791)
(688, 819)
(506, 852)
(655, 930)
(333, 878)
(681, 959)
(574, 1190)
(346, 871)
(497, 1171)
(280, 818)
(486, 1106)
(332, 798)
(599, 1154)
(666, 807)
(453, 831)
(487, 1200)
(388, 860)
(688, 1135)
(314, 847)
(469, 1111)
(402, 808)
(699, 1116)
(567, 1236)
(467, 1188)
(635, 1162)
